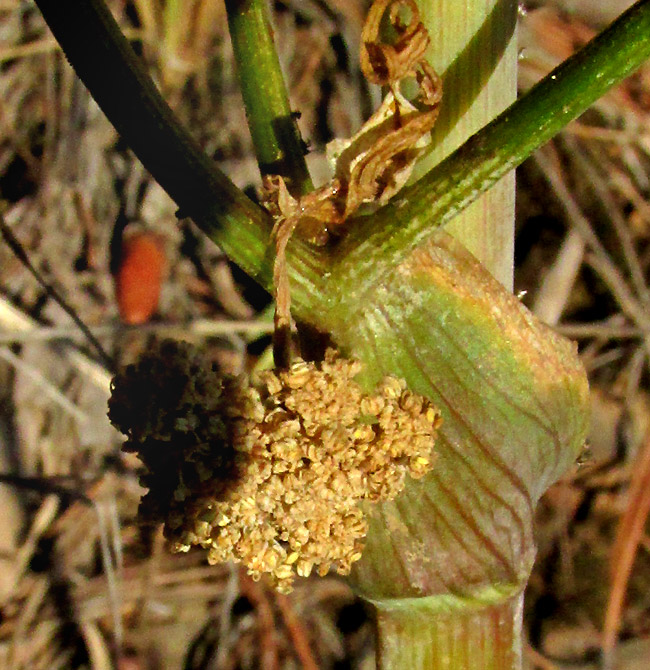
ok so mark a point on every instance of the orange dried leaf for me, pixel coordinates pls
(377, 162)
(383, 63)
(139, 278)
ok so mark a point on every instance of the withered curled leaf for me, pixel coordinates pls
(377, 162)
(383, 63)
(373, 165)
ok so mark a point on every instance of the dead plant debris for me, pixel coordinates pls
(374, 164)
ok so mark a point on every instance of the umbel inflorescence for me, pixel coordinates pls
(270, 474)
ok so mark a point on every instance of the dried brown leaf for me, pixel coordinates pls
(384, 63)
(373, 165)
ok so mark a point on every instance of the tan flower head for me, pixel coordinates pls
(307, 445)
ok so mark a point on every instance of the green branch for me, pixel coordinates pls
(117, 80)
(479, 163)
(276, 138)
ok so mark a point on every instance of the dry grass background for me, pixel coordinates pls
(78, 587)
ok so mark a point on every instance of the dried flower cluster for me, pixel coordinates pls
(171, 405)
(305, 447)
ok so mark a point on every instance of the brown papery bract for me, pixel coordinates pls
(373, 165)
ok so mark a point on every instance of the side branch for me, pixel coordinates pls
(276, 138)
(411, 218)
(117, 80)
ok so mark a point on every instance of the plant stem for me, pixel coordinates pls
(413, 636)
(116, 78)
(495, 150)
(276, 138)
(475, 51)
(172, 19)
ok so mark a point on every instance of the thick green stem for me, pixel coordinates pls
(412, 636)
(474, 48)
(278, 146)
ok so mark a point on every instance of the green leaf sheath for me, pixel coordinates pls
(278, 146)
(513, 396)
(499, 147)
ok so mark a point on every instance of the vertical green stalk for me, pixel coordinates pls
(278, 146)
(489, 638)
(172, 19)
(474, 48)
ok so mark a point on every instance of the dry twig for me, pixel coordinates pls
(628, 537)
(297, 632)
(256, 593)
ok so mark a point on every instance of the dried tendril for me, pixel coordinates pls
(375, 164)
